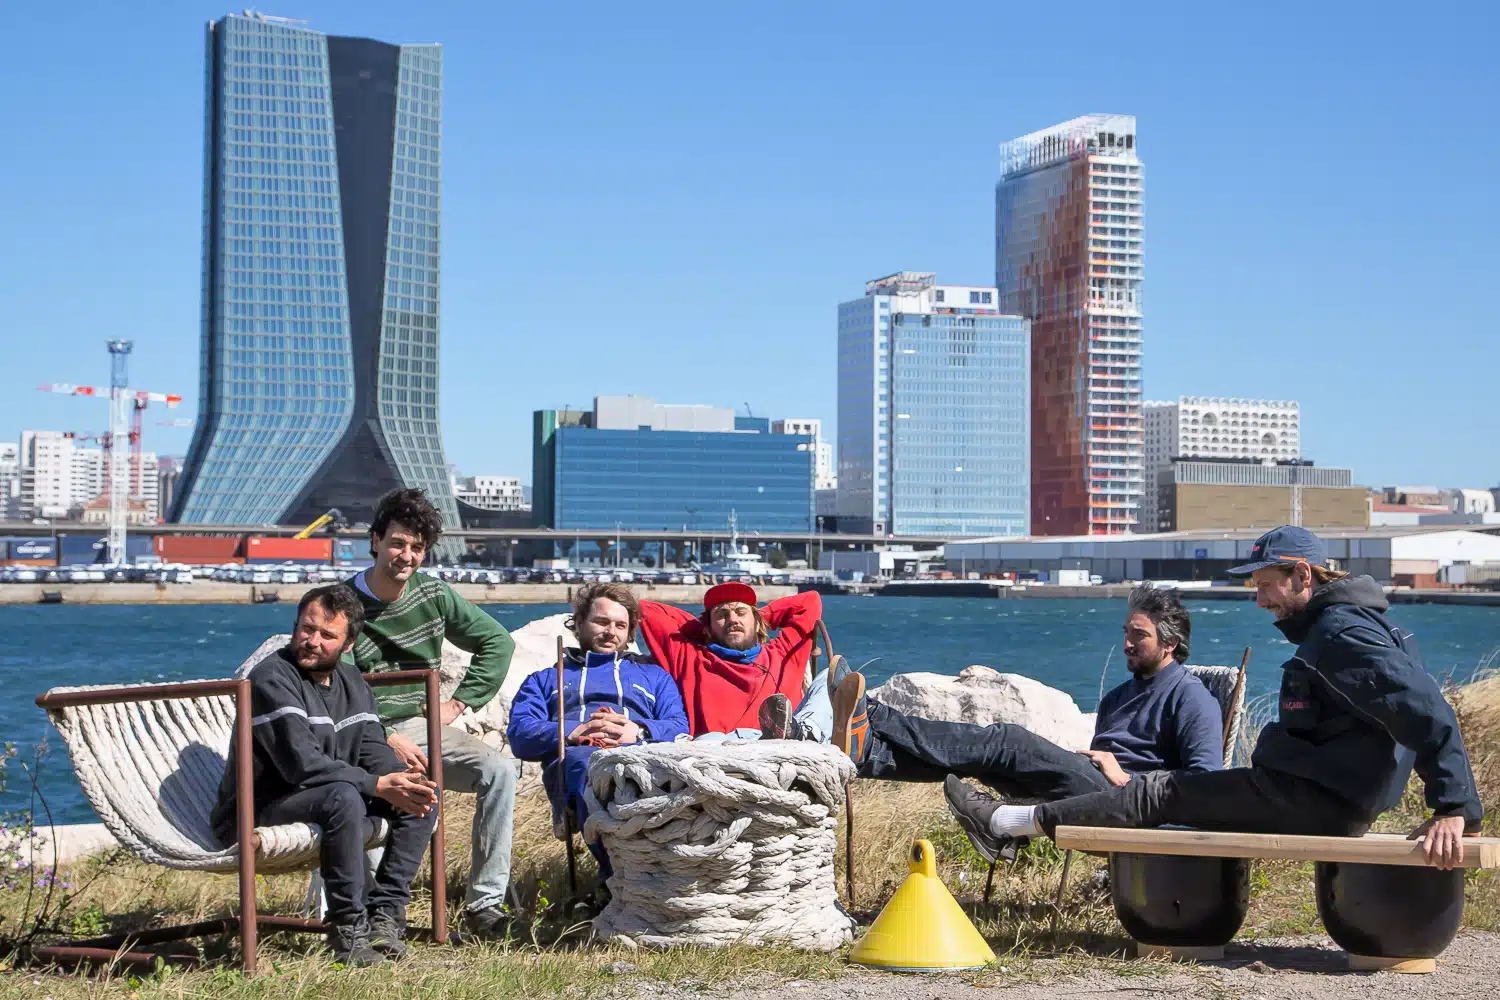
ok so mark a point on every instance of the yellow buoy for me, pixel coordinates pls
(922, 928)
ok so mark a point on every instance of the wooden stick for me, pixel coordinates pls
(435, 772)
(1234, 699)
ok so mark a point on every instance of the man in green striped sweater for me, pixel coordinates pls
(407, 617)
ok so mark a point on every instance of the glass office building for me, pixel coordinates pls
(319, 346)
(1068, 256)
(934, 411)
(624, 466)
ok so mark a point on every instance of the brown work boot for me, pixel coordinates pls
(851, 719)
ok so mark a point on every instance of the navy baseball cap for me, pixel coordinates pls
(1283, 545)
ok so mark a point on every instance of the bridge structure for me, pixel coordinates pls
(506, 545)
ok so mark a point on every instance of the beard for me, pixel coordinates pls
(737, 641)
(308, 660)
(1143, 665)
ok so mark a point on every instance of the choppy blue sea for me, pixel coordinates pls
(1064, 643)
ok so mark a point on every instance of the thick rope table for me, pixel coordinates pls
(719, 844)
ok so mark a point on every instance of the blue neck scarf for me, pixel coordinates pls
(735, 655)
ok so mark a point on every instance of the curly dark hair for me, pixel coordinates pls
(620, 593)
(336, 599)
(410, 507)
(1172, 621)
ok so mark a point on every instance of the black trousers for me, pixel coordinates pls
(1010, 759)
(341, 811)
(1242, 799)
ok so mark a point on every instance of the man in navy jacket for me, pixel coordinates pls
(1358, 711)
(611, 697)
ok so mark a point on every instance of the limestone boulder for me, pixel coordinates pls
(983, 695)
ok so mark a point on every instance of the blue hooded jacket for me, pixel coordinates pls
(630, 683)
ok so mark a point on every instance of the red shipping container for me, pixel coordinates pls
(201, 550)
(298, 550)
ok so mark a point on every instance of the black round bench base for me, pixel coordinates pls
(1387, 916)
(1179, 903)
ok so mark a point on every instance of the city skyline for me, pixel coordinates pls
(591, 192)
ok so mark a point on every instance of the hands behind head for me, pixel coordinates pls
(409, 791)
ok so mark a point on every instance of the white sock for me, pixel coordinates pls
(1014, 821)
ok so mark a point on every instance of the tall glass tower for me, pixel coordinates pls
(319, 350)
(1068, 236)
(934, 410)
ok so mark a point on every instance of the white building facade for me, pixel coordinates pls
(1267, 430)
(491, 492)
(825, 475)
(59, 477)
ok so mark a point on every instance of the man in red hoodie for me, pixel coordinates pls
(727, 665)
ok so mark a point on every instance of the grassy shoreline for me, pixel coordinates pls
(551, 957)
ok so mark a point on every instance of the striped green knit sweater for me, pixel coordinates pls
(408, 634)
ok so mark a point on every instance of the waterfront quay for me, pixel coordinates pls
(1001, 590)
(211, 592)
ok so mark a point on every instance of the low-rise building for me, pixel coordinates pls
(1192, 495)
(633, 463)
(503, 493)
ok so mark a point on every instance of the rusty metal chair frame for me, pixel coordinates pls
(121, 948)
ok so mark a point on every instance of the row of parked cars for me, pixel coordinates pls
(97, 573)
(523, 574)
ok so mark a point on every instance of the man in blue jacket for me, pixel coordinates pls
(1358, 711)
(611, 697)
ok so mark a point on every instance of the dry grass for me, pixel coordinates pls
(551, 957)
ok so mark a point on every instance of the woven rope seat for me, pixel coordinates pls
(151, 770)
(720, 844)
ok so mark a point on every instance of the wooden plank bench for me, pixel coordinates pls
(1184, 893)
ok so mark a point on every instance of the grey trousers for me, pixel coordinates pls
(471, 765)
(1241, 799)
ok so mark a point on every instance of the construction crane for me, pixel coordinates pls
(126, 407)
(330, 516)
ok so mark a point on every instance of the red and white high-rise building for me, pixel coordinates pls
(1068, 255)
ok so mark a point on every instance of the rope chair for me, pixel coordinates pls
(1227, 685)
(150, 759)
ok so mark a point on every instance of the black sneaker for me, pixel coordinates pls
(350, 941)
(777, 721)
(387, 933)
(492, 922)
(973, 809)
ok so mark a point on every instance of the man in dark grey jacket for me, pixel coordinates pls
(321, 756)
(1358, 711)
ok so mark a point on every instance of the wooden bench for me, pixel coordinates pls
(1184, 893)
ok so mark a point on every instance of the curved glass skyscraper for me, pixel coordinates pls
(319, 354)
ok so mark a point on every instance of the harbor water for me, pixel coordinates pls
(1073, 645)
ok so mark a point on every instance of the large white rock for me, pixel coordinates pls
(983, 695)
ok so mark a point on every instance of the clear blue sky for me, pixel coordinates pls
(671, 200)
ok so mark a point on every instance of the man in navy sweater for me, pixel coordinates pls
(1162, 718)
(1358, 712)
(320, 756)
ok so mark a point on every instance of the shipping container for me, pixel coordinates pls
(29, 549)
(344, 551)
(297, 550)
(83, 549)
(197, 550)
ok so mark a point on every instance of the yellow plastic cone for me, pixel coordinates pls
(922, 928)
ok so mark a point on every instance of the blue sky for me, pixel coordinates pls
(671, 199)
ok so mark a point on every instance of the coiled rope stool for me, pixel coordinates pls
(719, 844)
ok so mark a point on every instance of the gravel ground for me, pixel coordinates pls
(1291, 968)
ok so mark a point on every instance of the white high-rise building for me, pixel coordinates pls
(934, 410)
(1265, 430)
(10, 481)
(59, 477)
(825, 476)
